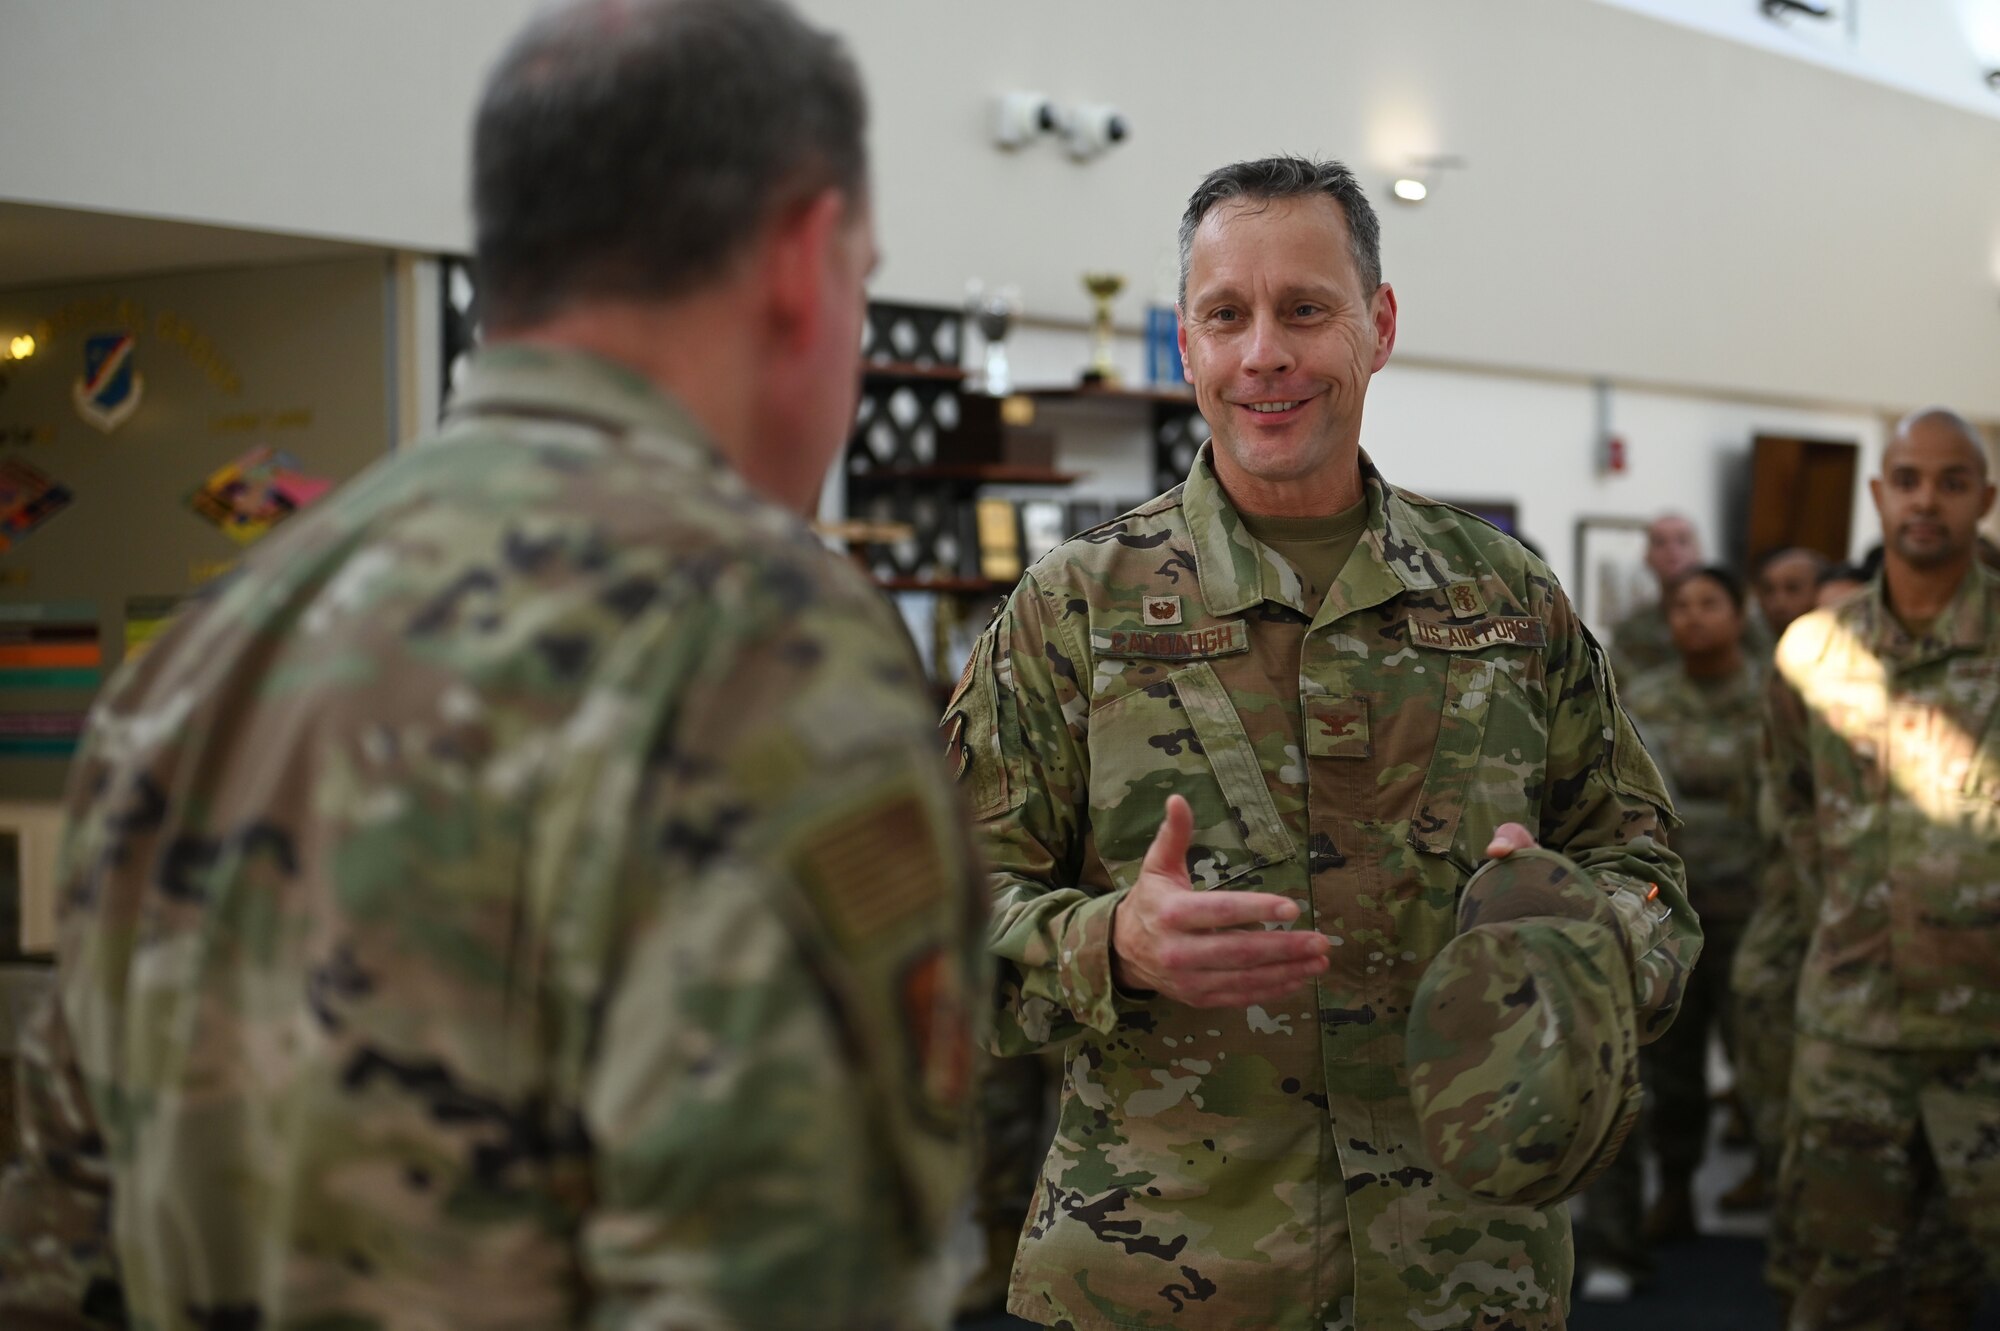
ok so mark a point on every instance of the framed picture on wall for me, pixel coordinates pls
(1611, 576)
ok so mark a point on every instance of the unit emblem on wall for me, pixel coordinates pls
(110, 388)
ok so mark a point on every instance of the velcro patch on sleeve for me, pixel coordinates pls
(1195, 644)
(937, 1022)
(873, 868)
(1520, 632)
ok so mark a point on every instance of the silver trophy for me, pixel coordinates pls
(994, 315)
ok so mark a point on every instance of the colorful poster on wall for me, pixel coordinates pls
(40, 734)
(28, 498)
(249, 496)
(50, 646)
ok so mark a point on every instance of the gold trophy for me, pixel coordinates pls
(1103, 288)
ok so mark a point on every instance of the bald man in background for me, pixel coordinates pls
(1640, 641)
(1884, 767)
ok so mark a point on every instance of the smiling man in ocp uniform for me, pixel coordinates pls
(1236, 758)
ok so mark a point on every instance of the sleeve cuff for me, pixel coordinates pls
(1083, 965)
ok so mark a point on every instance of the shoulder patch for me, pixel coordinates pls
(872, 869)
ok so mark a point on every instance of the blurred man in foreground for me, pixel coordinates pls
(528, 895)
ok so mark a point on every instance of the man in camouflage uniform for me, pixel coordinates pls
(1233, 780)
(1885, 766)
(1641, 641)
(528, 895)
(1764, 973)
(1787, 585)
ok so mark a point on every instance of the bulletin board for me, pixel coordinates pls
(160, 427)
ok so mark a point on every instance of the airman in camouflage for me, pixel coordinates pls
(1640, 641)
(1702, 718)
(528, 895)
(1233, 786)
(1764, 976)
(1787, 585)
(1885, 765)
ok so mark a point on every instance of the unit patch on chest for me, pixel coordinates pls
(1224, 639)
(1522, 632)
(1161, 611)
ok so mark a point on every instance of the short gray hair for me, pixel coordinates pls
(631, 147)
(1290, 178)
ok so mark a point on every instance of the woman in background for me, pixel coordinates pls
(1701, 716)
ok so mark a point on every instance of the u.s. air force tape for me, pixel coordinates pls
(1522, 632)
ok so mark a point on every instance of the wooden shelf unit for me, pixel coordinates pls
(988, 473)
(903, 369)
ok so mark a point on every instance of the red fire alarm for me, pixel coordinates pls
(1614, 454)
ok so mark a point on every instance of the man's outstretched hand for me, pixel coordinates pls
(1206, 949)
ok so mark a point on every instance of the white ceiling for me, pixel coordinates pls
(52, 246)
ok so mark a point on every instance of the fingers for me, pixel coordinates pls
(1226, 910)
(1167, 856)
(1508, 838)
(1266, 984)
(1240, 950)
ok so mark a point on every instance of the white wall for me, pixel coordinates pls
(1645, 203)
(1706, 223)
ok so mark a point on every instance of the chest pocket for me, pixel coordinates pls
(1182, 736)
(1846, 745)
(1975, 688)
(1470, 683)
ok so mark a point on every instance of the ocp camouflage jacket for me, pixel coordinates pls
(1706, 736)
(1260, 1168)
(1885, 766)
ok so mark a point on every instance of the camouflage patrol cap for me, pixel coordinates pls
(1523, 1041)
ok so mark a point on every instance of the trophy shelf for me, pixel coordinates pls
(968, 473)
(1111, 396)
(954, 586)
(907, 369)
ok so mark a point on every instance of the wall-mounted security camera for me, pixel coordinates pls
(1019, 117)
(1784, 9)
(1091, 130)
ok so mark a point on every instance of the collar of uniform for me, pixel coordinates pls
(516, 379)
(1238, 571)
(1708, 695)
(1962, 625)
